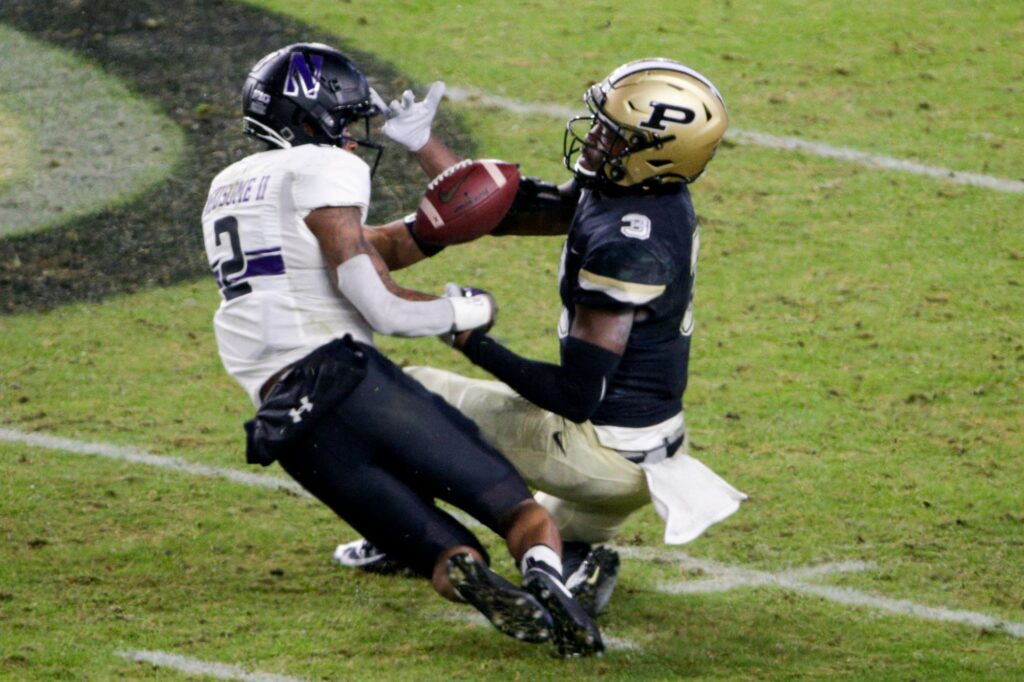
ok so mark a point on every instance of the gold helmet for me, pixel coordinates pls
(669, 120)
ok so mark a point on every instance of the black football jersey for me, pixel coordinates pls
(639, 251)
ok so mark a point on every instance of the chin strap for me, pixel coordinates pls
(251, 126)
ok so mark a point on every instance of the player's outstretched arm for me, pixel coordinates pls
(395, 244)
(541, 209)
(573, 389)
(363, 278)
(435, 156)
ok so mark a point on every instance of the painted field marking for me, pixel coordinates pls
(196, 668)
(722, 576)
(92, 172)
(756, 139)
(42, 440)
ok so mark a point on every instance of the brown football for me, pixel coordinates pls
(466, 201)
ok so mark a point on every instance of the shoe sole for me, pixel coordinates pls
(512, 611)
(383, 566)
(575, 633)
(594, 593)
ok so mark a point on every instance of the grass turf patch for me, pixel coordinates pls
(15, 148)
(856, 368)
(105, 149)
(190, 63)
(850, 404)
(104, 556)
(927, 81)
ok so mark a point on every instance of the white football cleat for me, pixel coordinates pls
(364, 555)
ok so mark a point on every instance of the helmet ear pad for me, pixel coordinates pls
(305, 123)
(308, 124)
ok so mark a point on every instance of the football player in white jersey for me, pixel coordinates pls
(601, 433)
(304, 288)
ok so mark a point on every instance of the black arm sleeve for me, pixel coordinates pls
(572, 390)
(428, 249)
(535, 194)
(537, 200)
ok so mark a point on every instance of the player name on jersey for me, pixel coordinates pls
(238, 192)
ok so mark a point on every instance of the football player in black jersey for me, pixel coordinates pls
(593, 432)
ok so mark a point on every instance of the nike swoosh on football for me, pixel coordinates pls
(557, 436)
(446, 196)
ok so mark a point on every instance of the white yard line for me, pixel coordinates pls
(720, 577)
(795, 144)
(196, 668)
(42, 440)
(791, 144)
(905, 607)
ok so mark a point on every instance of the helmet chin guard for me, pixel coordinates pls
(668, 120)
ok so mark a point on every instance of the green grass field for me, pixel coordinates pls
(857, 369)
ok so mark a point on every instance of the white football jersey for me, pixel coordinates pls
(278, 303)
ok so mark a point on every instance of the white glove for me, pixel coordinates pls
(382, 106)
(474, 308)
(408, 121)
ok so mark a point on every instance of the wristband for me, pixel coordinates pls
(471, 312)
(428, 249)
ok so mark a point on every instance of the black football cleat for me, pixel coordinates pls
(594, 581)
(575, 632)
(513, 611)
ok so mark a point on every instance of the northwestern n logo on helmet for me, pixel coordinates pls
(300, 75)
(668, 112)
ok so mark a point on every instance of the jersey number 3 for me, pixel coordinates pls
(234, 266)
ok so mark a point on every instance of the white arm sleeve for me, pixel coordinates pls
(386, 313)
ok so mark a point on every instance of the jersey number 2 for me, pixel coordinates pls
(234, 265)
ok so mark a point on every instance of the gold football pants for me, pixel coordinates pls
(589, 489)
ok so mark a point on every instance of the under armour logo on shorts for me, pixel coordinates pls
(304, 406)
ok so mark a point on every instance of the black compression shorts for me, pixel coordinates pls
(382, 455)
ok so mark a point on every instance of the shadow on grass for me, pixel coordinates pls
(190, 58)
